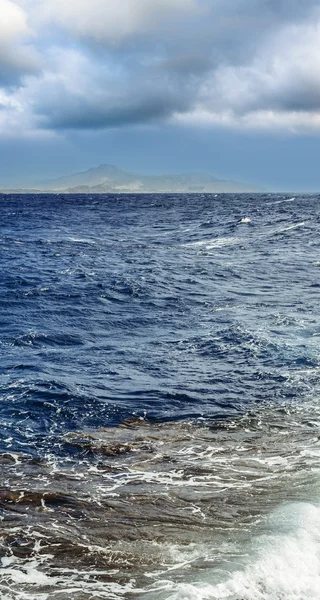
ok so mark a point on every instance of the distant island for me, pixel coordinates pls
(108, 179)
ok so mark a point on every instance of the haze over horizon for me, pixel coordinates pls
(225, 87)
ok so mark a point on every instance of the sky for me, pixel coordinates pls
(227, 87)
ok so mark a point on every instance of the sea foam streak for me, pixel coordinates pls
(210, 244)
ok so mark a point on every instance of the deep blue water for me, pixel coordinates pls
(159, 397)
(160, 306)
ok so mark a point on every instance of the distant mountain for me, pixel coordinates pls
(110, 179)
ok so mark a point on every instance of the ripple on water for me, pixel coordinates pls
(178, 309)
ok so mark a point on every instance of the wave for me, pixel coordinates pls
(61, 340)
(282, 563)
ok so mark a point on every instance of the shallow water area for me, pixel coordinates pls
(162, 507)
(159, 397)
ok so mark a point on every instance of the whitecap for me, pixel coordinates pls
(281, 201)
(283, 563)
(287, 228)
(210, 244)
(79, 240)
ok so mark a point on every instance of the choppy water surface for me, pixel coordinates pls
(160, 417)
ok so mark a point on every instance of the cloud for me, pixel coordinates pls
(112, 22)
(78, 95)
(17, 58)
(113, 63)
(280, 85)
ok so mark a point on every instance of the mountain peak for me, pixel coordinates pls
(106, 167)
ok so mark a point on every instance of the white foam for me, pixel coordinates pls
(287, 228)
(281, 201)
(294, 226)
(210, 244)
(25, 580)
(81, 240)
(245, 220)
(282, 564)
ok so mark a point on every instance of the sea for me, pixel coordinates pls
(159, 397)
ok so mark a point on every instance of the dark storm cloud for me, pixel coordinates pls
(87, 115)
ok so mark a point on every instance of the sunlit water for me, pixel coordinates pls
(160, 417)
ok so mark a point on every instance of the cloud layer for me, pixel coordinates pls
(111, 63)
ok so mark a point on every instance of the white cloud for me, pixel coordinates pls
(16, 56)
(13, 22)
(17, 119)
(260, 120)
